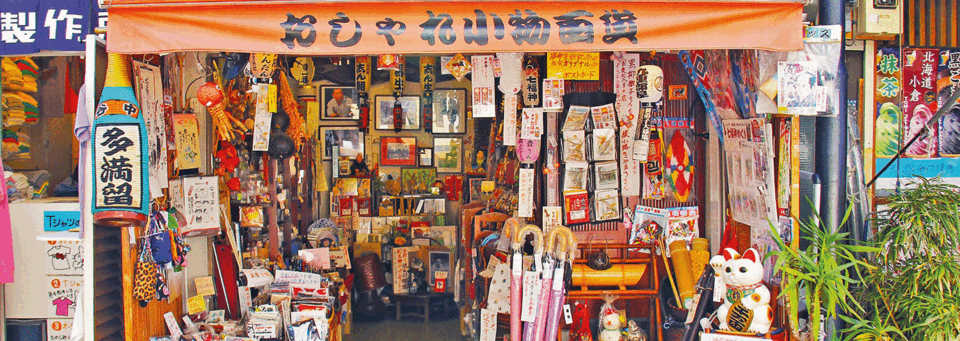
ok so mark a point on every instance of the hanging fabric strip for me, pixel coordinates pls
(510, 119)
(363, 73)
(396, 77)
(428, 79)
(695, 64)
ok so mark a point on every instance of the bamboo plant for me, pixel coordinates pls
(826, 269)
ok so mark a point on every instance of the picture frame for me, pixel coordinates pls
(398, 151)
(417, 180)
(439, 264)
(411, 112)
(350, 140)
(449, 111)
(346, 108)
(426, 157)
(448, 153)
(474, 189)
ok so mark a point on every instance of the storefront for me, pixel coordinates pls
(343, 157)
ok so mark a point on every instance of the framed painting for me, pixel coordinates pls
(449, 111)
(411, 112)
(448, 153)
(339, 103)
(349, 139)
(417, 180)
(398, 151)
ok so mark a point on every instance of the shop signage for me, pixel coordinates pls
(56, 221)
(47, 25)
(451, 27)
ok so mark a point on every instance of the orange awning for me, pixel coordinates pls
(372, 27)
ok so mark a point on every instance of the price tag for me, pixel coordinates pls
(517, 263)
(693, 308)
(531, 296)
(567, 315)
(538, 262)
(718, 288)
(558, 279)
(172, 325)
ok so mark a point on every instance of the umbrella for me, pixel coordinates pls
(557, 296)
(517, 275)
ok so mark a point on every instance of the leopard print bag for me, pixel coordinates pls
(145, 276)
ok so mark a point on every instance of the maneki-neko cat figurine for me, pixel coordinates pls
(746, 303)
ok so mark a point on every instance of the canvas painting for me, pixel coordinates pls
(448, 151)
(417, 180)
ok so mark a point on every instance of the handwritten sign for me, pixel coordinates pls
(488, 325)
(56, 221)
(201, 204)
(285, 276)
(401, 269)
(257, 277)
(196, 304)
(187, 138)
(59, 329)
(172, 325)
(574, 65)
(204, 286)
(62, 295)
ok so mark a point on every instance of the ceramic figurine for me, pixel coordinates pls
(746, 305)
(634, 333)
(611, 328)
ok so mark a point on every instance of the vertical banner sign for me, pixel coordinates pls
(483, 95)
(120, 157)
(510, 119)
(150, 87)
(396, 81)
(262, 119)
(531, 82)
(919, 99)
(525, 202)
(887, 135)
(552, 166)
(628, 110)
(948, 81)
(428, 79)
(363, 73)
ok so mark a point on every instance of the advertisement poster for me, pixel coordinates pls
(749, 152)
(919, 100)
(887, 131)
(948, 81)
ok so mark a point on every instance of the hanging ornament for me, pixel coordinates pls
(302, 70)
(262, 65)
(363, 73)
(428, 78)
(531, 82)
(649, 83)
(681, 169)
(120, 155)
(396, 81)
(458, 66)
(390, 61)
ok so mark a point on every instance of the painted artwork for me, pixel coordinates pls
(448, 151)
(449, 111)
(417, 180)
(948, 81)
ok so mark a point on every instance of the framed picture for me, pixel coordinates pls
(475, 189)
(417, 180)
(448, 152)
(439, 267)
(606, 175)
(398, 151)
(449, 111)
(349, 139)
(339, 103)
(411, 112)
(426, 157)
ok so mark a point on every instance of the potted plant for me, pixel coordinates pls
(825, 270)
(914, 286)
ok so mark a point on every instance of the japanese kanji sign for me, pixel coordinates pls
(888, 133)
(450, 27)
(919, 99)
(33, 26)
(574, 65)
(117, 166)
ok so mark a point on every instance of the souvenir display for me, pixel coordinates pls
(733, 314)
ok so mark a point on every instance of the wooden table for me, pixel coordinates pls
(425, 300)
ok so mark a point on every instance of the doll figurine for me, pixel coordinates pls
(634, 333)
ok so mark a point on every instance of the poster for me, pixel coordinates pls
(202, 210)
(531, 124)
(150, 93)
(63, 257)
(483, 86)
(262, 118)
(887, 129)
(553, 94)
(948, 81)
(574, 65)
(59, 329)
(186, 135)
(751, 190)
(62, 295)
(797, 88)
(401, 265)
(919, 99)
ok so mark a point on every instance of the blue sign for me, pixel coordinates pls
(948, 168)
(30, 26)
(57, 221)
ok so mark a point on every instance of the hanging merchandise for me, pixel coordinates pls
(288, 106)
(564, 262)
(749, 156)
(653, 171)
(610, 320)
(263, 65)
(531, 82)
(458, 66)
(228, 126)
(551, 168)
(120, 158)
(262, 119)
(531, 127)
(580, 329)
(647, 223)
(510, 84)
(483, 85)
(680, 163)
(510, 119)
(695, 65)
(553, 94)
(649, 83)
(519, 274)
(396, 69)
(363, 74)
(145, 276)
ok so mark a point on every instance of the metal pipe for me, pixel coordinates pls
(831, 146)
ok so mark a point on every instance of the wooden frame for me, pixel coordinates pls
(350, 102)
(335, 136)
(448, 154)
(449, 111)
(398, 151)
(384, 112)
